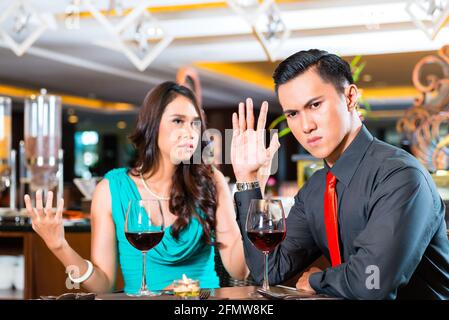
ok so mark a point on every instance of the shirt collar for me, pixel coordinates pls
(345, 167)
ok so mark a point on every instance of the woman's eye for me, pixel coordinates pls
(196, 124)
(177, 121)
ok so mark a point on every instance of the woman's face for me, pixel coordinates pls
(179, 130)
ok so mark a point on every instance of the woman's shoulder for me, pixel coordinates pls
(116, 173)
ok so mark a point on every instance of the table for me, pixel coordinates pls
(232, 293)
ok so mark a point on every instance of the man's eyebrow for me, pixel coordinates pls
(308, 103)
(311, 101)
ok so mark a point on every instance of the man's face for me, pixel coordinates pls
(317, 113)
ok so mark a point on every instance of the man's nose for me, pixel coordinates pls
(307, 123)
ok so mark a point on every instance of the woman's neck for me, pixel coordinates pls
(160, 180)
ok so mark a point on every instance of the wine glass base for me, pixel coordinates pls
(145, 293)
(255, 295)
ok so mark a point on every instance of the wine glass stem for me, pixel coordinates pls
(144, 288)
(266, 285)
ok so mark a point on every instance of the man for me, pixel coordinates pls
(373, 211)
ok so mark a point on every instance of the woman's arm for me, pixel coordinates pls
(49, 226)
(228, 232)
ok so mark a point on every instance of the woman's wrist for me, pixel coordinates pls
(61, 247)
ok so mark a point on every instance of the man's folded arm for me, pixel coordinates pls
(295, 253)
(403, 218)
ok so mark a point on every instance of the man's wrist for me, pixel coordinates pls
(315, 280)
(248, 177)
(244, 186)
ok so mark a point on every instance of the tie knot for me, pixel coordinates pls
(331, 179)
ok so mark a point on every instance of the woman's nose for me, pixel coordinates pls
(188, 131)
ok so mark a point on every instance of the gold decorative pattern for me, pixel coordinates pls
(426, 123)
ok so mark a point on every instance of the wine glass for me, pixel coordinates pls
(266, 229)
(144, 229)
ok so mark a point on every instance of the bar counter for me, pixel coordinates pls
(44, 274)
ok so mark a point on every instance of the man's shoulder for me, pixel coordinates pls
(393, 167)
(390, 159)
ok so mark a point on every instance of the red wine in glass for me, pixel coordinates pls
(144, 229)
(266, 241)
(144, 241)
(266, 229)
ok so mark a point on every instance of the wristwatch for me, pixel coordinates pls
(242, 186)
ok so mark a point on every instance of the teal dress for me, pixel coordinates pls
(171, 258)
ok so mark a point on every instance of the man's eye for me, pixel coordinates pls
(315, 105)
(291, 114)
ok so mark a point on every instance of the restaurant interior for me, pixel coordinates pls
(74, 74)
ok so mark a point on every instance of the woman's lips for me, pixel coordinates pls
(186, 146)
(313, 141)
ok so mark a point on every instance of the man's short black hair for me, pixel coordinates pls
(330, 67)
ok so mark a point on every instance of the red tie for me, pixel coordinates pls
(330, 219)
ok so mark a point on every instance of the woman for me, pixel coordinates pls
(196, 203)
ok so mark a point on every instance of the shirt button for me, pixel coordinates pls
(239, 203)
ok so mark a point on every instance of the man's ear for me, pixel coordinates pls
(351, 96)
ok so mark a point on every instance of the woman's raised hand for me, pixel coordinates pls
(47, 222)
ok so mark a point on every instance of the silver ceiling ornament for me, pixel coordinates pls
(267, 24)
(72, 15)
(138, 35)
(249, 10)
(142, 38)
(271, 32)
(117, 6)
(429, 15)
(21, 25)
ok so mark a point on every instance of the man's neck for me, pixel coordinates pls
(349, 137)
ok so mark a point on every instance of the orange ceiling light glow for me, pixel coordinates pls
(22, 93)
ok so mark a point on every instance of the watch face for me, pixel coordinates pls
(241, 186)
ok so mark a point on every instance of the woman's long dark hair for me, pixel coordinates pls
(192, 184)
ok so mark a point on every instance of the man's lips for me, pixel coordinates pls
(313, 140)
